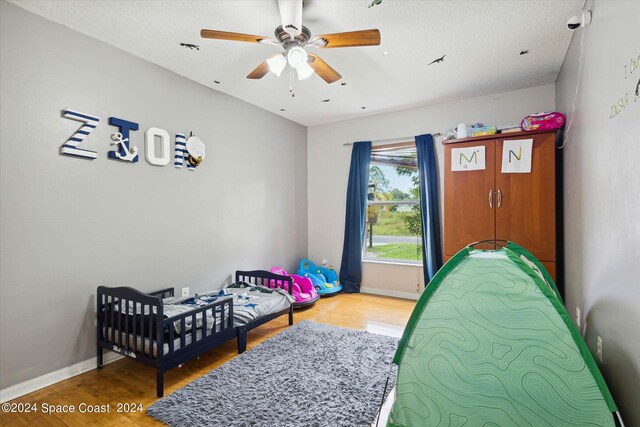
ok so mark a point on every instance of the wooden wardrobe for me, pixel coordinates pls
(524, 208)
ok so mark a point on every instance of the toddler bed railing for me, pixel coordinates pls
(272, 281)
(132, 323)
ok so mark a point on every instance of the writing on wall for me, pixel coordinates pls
(632, 75)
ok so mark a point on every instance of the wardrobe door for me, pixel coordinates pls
(551, 268)
(468, 208)
(526, 203)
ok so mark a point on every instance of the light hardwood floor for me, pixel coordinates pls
(126, 381)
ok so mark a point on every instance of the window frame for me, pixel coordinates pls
(413, 202)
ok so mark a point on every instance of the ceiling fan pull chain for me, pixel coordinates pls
(291, 82)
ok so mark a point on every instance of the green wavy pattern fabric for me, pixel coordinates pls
(490, 350)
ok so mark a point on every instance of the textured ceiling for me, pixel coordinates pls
(482, 41)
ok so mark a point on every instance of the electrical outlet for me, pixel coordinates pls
(600, 345)
(324, 262)
(578, 317)
(185, 292)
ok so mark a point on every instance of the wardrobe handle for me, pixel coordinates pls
(499, 198)
(491, 198)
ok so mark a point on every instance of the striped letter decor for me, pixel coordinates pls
(189, 151)
(70, 147)
(181, 153)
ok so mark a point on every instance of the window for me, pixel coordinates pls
(393, 227)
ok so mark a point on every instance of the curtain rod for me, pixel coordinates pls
(388, 141)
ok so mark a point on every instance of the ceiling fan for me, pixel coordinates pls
(294, 39)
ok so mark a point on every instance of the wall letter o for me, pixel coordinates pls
(150, 146)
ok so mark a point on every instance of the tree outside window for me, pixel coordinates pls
(394, 226)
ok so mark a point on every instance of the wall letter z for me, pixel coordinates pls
(70, 148)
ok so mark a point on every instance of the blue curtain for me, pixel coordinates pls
(428, 172)
(356, 215)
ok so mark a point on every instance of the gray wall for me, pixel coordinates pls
(328, 186)
(602, 195)
(69, 225)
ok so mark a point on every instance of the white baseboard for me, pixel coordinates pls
(46, 380)
(390, 293)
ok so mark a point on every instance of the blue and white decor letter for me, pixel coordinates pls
(150, 146)
(121, 140)
(70, 148)
(181, 153)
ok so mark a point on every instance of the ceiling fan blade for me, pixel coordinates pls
(238, 37)
(323, 69)
(348, 39)
(260, 71)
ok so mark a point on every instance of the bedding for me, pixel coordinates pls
(134, 314)
(171, 307)
(253, 301)
(249, 303)
(177, 306)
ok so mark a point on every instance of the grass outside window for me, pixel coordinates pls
(393, 228)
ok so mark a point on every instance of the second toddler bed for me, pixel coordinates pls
(137, 325)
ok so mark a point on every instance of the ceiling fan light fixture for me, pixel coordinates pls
(277, 63)
(304, 71)
(297, 57)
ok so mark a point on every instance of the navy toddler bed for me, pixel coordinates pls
(143, 327)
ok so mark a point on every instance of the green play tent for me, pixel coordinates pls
(490, 343)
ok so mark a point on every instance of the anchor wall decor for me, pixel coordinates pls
(189, 151)
(121, 140)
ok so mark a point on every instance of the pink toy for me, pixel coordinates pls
(303, 290)
(543, 121)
